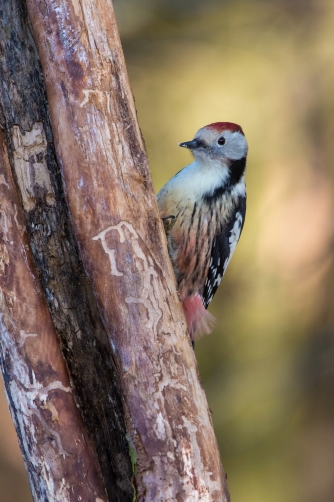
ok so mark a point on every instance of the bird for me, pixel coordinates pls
(203, 209)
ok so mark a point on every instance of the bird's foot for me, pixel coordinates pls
(169, 222)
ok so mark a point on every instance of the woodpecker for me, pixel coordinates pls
(203, 208)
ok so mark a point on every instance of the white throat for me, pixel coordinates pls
(201, 177)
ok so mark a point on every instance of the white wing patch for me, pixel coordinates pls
(234, 237)
(216, 271)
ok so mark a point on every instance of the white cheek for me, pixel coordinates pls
(236, 146)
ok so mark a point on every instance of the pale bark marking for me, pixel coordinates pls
(101, 95)
(3, 181)
(5, 226)
(15, 218)
(204, 482)
(97, 35)
(25, 390)
(30, 165)
(196, 495)
(160, 427)
(24, 336)
(110, 252)
(144, 265)
(4, 257)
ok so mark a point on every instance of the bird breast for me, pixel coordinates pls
(197, 224)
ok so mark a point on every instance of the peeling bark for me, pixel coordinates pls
(58, 455)
(124, 251)
(24, 117)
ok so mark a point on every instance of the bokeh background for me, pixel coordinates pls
(268, 368)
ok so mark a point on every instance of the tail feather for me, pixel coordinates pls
(199, 321)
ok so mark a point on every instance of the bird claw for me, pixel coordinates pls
(169, 222)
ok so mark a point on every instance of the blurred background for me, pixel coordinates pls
(268, 368)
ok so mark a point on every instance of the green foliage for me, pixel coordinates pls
(133, 457)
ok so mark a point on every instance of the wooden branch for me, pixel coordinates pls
(25, 119)
(124, 251)
(58, 455)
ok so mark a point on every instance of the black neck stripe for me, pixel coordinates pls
(236, 169)
(216, 194)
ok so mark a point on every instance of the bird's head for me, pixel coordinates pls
(218, 142)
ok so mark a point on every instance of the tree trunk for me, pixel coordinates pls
(123, 249)
(58, 455)
(24, 116)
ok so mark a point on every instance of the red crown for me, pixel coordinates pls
(225, 126)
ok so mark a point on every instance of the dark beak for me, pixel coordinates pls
(192, 145)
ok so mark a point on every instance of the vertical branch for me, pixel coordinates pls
(24, 117)
(58, 455)
(116, 220)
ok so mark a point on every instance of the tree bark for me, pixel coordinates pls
(123, 248)
(58, 455)
(24, 117)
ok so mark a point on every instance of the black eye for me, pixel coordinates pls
(221, 141)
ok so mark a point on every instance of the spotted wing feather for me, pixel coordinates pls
(223, 247)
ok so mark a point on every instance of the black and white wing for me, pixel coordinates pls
(222, 250)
